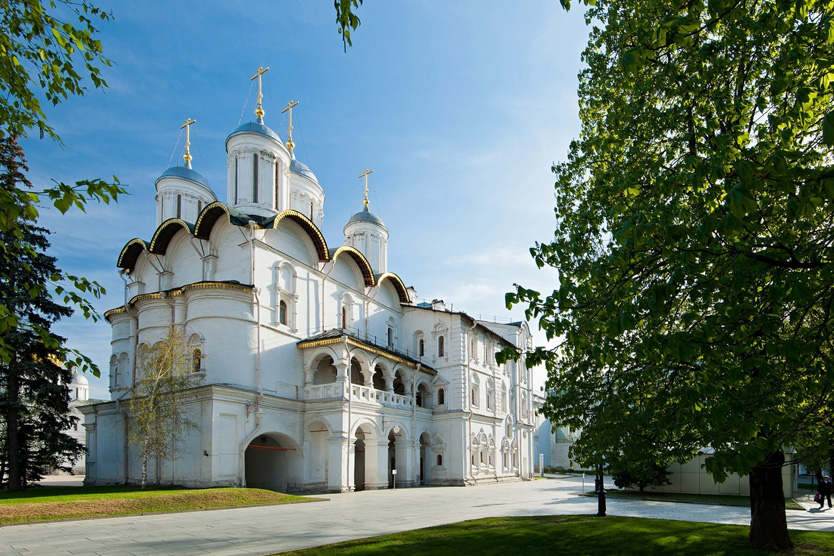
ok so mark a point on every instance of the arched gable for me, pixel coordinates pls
(130, 253)
(311, 229)
(360, 260)
(165, 233)
(345, 271)
(395, 280)
(211, 213)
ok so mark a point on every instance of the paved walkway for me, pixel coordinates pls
(269, 529)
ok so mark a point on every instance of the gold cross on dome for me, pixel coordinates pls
(365, 175)
(290, 105)
(187, 155)
(259, 111)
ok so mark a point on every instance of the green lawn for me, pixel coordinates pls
(49, 503)
(571, 535)
(716, 499)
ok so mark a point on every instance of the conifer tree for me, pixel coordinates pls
(34, 391)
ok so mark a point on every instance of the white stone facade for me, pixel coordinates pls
(320, 371)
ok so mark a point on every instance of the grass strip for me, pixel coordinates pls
(49, 503)
(575, 535)
(713, 499)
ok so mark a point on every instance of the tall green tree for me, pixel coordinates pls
(158, 407)
(694, 240)
(48, 52)
(34, 386)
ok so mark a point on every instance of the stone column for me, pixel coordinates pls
(337, 479)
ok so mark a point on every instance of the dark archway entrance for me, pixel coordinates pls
(273, 462)
(359, 461)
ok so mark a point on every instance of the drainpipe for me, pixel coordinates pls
(164, 297)
(125, 445)
(350, 413)
(467, 464)
(323, 280)
(414, 423)
(256, 407)
(122, 274)
(257, 306)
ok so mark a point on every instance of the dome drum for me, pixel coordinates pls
(181, 193)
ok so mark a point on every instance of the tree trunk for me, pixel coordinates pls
(768, 524)
(144, 466)
(13, 431)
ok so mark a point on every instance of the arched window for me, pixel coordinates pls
(439, 459)
(282, 312)
(255, 178)
(344, 317)
(199, 207)
(276, 184)
(475, 396)
(390, 338)
(311, 210)
(179, 206)
(441, 397)
(481, 456)
(236, 178)
(441, 347)
(421, 347)
(197, 360)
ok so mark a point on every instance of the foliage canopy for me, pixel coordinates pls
(48, 51)
(158, 417)
(694, 238)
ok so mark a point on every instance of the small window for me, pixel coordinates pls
(475, 396)
(282, 313)
(255, 179)
(472, 459)
(481, 454)
(276, 185)
(179, 206)
(489, 400)
(439, 459)
(419, 398)
(311, 210)
(421, 347)
(199, 207)
(441, 348)
(441, 397)
(344, 317)
(390, 338)
(236, 180)
(197, 360)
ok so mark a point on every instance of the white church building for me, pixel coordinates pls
(320, 370)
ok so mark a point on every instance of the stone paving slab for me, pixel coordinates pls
(269, 529)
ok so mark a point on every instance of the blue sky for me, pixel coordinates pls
(459, 107)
